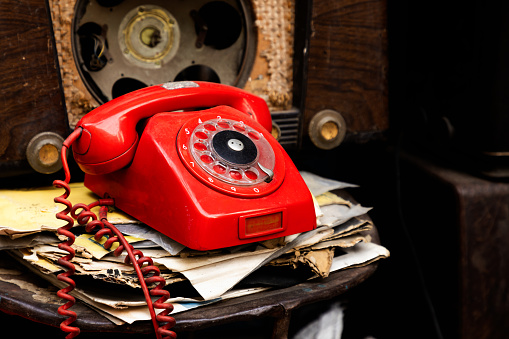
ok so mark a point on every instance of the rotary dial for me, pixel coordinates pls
(232, 151)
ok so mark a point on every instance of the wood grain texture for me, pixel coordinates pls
(347, 68)
(30, 94)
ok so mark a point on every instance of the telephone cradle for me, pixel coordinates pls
(193, 160)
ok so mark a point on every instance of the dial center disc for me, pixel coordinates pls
(234, 147)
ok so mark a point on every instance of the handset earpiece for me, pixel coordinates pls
(109, 138)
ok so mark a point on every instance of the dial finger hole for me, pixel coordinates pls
(251, 175)
(223, 124)
(239, 127)
(201, 135)
(219, 169)
(254, 135)
(206, 159)
(200, 147)
(210, 127)
(235, 175)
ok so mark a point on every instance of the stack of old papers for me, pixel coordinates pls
(28, 232)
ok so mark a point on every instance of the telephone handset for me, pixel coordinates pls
(109, 137)
(193, 160)
(209, 178)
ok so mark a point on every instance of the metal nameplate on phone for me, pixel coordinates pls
(179, 85)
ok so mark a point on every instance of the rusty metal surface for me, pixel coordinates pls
(24, 294)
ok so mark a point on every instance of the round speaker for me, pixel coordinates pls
(121, 46)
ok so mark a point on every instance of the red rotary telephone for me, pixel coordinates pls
(193, 160)
(208, 179)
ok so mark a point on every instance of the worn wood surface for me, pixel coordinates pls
(347, 67)
(30, 91)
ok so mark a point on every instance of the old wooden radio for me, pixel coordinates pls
(320, 65)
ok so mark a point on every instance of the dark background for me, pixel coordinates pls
(435, 64)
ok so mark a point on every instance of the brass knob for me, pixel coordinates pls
(327, 129)
(43, 152)
(276, 131)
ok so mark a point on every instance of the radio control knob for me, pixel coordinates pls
(327, 129)
(276, 131)
(43, 152)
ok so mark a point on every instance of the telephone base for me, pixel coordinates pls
(166, 190)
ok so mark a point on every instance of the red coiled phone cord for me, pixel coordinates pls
(147, 272)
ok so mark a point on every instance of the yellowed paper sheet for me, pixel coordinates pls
(329, 198)
(96, 248)
(27, 211)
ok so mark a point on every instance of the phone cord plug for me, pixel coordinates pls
(66, 245)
